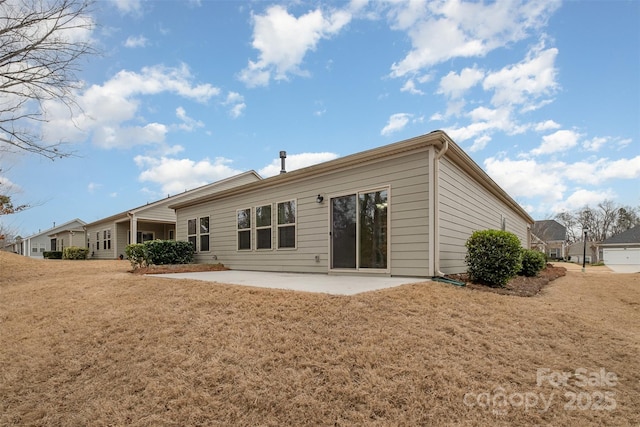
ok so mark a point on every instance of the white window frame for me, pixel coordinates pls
(107, 239)
(264, 227)
(244, 230)
(294, 225)
(201, 234)
(193, 235)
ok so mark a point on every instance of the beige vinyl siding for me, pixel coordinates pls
(160, 212)
(42, 241)
(91, 234)
(465, 207)
(406, 176)
(122, 235)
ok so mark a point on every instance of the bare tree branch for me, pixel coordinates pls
(41, 44)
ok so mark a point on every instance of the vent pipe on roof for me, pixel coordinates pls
(283, 155)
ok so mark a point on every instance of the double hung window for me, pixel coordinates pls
(243, 217)
(263, 227)
(287, 224)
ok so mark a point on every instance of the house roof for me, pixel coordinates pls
(549, 230)
(436, 138)
(56, 228)
(171, 199)
(632, 235)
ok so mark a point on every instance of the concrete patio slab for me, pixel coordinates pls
(320, 283)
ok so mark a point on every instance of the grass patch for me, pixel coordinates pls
(91, 344)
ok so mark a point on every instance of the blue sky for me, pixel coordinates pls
(543, 95)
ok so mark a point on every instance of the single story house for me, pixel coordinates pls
(107, 238)
(550, 238)
(49, 240)
(405, 209)
(576, 252)
(15, 245)
(72, 236)
(621, 252)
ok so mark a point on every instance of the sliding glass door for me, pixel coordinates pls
(359, 231)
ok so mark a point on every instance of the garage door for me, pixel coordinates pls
(622, 260)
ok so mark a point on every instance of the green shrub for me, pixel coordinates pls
(137, 255)
(74, 252)
(52, 254)
(159, 252)
(162, 252)
(493, 257)
(533, 262)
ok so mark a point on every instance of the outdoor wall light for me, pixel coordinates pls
(319, 199)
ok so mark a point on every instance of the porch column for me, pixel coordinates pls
(133, 226)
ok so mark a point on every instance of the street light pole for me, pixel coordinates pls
(584, 250)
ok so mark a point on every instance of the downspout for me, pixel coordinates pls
(436, 208)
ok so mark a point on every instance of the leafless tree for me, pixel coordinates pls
(602, 222)
(41, 44)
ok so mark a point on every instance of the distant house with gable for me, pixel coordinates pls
(56, 238)
(108, 237)
(550, 237)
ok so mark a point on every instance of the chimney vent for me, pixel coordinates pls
(283, 155)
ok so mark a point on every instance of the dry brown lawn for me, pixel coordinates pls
(87, 343)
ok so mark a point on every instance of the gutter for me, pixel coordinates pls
(436, 207)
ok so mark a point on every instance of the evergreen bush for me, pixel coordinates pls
(533, 262)
(52, 254)
(159, 252)
(74, 252)
(163, 252)
(493, 257)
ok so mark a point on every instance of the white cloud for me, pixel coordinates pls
(283, 41)
(296, 161)
(556, 142)
(188, 124)
(126, 137)
(525, 82)
(106, 109)
(396, 123)
(580, 198)
(410, 87)
(596, 143)
(236, 102)
(527, 178)
(135, 41)
(621, 169)
(177, 175)
(443, 30)
(546, 125)
(93, 187)
(486, 121)
(128, 6)
(454, 85)
(480, 143)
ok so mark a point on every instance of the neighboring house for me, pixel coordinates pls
(107, 238)
(72, 236)
(35, 245)
(404, 209)
(550, 237)
(621, 252)
(576, 250)
(15, 245)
